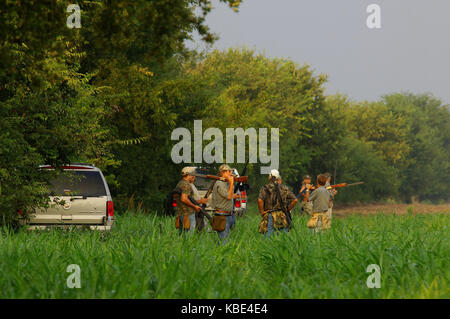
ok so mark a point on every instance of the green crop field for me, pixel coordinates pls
(145, 258)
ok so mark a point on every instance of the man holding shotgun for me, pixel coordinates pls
(186, 220)
(321, 199)
(222, 202)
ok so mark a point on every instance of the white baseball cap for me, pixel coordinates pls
(188, 170)
(275, 173)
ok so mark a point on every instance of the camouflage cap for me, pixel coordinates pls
(306, 177)
(224, 167)
(188, 170)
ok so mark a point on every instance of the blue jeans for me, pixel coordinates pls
(223, 235)
(192, 222)
(270, 228)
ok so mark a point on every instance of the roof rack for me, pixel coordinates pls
(78, 163)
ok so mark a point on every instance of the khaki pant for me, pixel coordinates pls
(306, 207)
(319, 221)
(330, 213)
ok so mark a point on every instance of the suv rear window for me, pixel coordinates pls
(202, 183)
(81, 183)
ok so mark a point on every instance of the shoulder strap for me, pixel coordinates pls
(280, 199)
(283, 208)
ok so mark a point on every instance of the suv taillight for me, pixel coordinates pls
(174, 203)
(109, 209)
(237, 204)
(243, 196)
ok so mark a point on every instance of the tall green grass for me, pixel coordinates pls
(143, 257)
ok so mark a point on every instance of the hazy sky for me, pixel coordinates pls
(410, 52)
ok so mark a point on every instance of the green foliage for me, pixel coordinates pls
(408, 138)
(112, 91)
(251, 90)
(48, 110)
(144, 257)
(428, 136)
(83, 94)
(359, 162)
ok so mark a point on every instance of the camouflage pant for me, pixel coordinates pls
(278, 218)
(306, 207)
(319, 221)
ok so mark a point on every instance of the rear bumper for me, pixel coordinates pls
(106, 225)
(69, 227)
(77, 219)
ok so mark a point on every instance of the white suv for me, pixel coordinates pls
(79, 198)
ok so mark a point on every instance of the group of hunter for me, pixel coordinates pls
(275, 203)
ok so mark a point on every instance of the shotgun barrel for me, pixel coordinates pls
(343, 185)
(243, 179)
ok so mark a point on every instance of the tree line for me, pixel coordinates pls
(111, 92)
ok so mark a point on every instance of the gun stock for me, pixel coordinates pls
(203, 211)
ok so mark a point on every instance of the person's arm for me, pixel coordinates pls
(230, 186)
(261, 207)
(262, 194)
(223, 191)
(306, 197)
(293, 200)
(291, 206)
(185, 199)
(307, 192)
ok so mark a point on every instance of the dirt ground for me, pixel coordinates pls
(398, 209)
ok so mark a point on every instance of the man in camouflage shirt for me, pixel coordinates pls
(305, 190)
(185, 208)
(274, 218)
